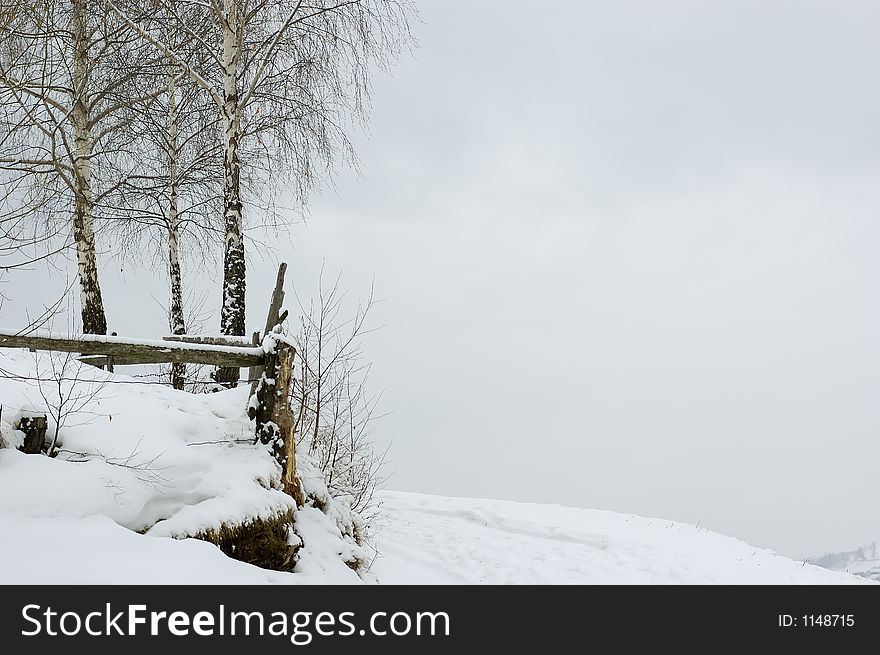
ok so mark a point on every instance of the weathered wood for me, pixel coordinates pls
(275, 424)
(101, 361)
(34, 428)
(272, 319)
(254, 371)
(138, 352)
(270, 395)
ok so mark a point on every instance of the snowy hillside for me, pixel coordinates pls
(438, 540)
(141, 467)
(139, 463)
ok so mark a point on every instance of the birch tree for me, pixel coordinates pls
(283, 76)
(169, 201)
(66, 97)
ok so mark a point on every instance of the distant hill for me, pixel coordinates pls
(864, 561)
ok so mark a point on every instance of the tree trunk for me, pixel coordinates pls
(176, 319)
(274, 421)
(93, 318)
(232, 314)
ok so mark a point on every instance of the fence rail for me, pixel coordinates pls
(271, 373)
(137, 351)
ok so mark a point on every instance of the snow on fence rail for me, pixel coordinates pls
(137, 351)
(229, 352)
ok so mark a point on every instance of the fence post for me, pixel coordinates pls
(270, 408)
(254, 371)
(34, 428)
(273, 318)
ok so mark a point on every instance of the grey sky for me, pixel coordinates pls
(628, 252)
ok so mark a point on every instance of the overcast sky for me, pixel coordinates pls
(629, 257)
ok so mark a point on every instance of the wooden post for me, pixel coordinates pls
(110, 359)
(273, 318)
(254, 371)
(34, 428)
(270, 408)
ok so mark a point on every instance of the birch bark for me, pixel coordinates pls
(94, 321)
(177, 322)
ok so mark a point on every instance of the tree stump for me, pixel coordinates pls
(270, 408)
(34, 428)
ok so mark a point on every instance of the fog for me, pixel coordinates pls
(627, 257)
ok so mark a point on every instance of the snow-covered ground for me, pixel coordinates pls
(439, 540)
(142, 466)
(141, 458)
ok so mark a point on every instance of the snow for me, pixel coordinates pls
(439, 540)
(157, 343)
(157, 459)
(864, 567)
(95, 550)
(10, 438)
(142, 458)
(322, 537)
(231, 338)
(143, 466)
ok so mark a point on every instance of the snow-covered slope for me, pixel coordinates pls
(439, 540)
(142, 458)
(142, 463)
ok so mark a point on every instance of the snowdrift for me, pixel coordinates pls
(139, 462)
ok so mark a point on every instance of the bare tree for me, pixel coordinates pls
(333, 408)
(170, 199)
(65, 392)
(283, 76)
(143, 467)
(66, 97)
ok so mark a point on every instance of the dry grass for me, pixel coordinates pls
(261, 542)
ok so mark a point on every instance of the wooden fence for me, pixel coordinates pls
(269, 369)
